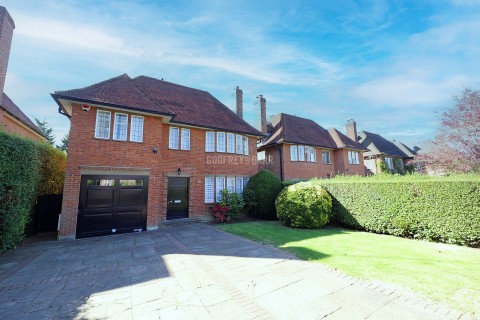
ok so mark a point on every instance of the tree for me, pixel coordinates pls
(46, 130)
(457, 144)
(64, 145)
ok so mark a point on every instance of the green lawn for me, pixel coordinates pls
(446, 273)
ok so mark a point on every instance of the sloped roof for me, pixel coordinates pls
(14, 110)
(381, 144)
(409, 152)
(293, 129)
(342, 141)
(185, 105)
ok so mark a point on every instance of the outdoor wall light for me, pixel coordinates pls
(155, 150)
(179, 171)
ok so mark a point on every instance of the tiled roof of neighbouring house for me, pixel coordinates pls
(185, 105)
(409, 152)
(14, 110)
(342, 141)
(383, 145)
(293, 129)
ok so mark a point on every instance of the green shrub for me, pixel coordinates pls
(304, 205)
(52, 169)
(229, 207)
(261, 191)
(443, 209)
(19, 175)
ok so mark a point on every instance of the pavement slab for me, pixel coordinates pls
(190, 271)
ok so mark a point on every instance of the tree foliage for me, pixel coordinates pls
(64, 143)
(46, 130)
(457, 144)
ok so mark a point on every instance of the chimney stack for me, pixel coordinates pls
(352, 130)
(263, 114)
(239, 94)
(6, 32)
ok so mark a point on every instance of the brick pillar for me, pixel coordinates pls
(263, 114)
(239, 94)
(6, 32)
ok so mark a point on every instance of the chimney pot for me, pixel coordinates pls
(239, 101)
(263, 114)
(351, 129)
(6, 32)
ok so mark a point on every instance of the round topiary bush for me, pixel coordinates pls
(260, 194)
(304, 205)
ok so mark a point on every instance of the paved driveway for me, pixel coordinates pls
(188, 271)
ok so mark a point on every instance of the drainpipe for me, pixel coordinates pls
(279, 146)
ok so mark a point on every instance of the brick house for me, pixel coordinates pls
(297, 148)
(12, 119)
(144, 150)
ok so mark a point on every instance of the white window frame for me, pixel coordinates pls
(301, 153)
(231, 184)
(307, 153)
(230, 142)
(313, 154)
(209, 193)
(245, 146)
(140, 130)
(245, 181)
(210, 141)
(185, 139)
(326, 157)
(115, 123)
(238, 144)
(99, 112)
(239, 184)
(293, 152)
(353, 157)
(219, 186)
(261, 155)
(173, 144)
(389, 162)
(221, 144)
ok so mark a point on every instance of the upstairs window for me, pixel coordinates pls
(301, 153)
(353, 157)
(220, 141)
(313, 154)
(326, 157)
(185, 139)
(210, 141)
(136, 129)
(102, 125)
(245, 146)
(307, 153)
(293, 153)
(120, 127)
(173, 138)
(239, 144)
(230, 143)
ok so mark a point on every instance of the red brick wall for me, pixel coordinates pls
(344, 167)
(272, 160)
(86, 151)
(14, 127)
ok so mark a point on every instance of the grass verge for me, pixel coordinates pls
(443, 273)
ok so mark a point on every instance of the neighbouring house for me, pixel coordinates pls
(144, 150)
(12, 119)
(409, 160)
(297, 148)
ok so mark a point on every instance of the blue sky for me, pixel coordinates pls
(389, 65)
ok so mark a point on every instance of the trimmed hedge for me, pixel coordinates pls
(304, 205)
(443, 209)
(27, 169)
(260, 194)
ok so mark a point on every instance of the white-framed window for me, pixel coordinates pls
(120, 125)
(185, 139)
(209, 189)
(136, 129)
(230, 142)
(261, 155)
(389, 162)
(102, 124)
(326, 157)
(239, 144)
(209, 141)
(245, 181)
(307, 154)
(313, 154)
(293, 153)
(173, 138)
(353, 157)
(301, 153)
(245, 146)
(239, 184)
(220, 185)
(220, 141)
(231, 184)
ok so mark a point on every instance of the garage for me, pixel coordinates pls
(112, 205)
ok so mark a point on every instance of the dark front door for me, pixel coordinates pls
(111, 205)
(177, 198)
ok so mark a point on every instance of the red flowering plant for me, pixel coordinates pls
(229, 207)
